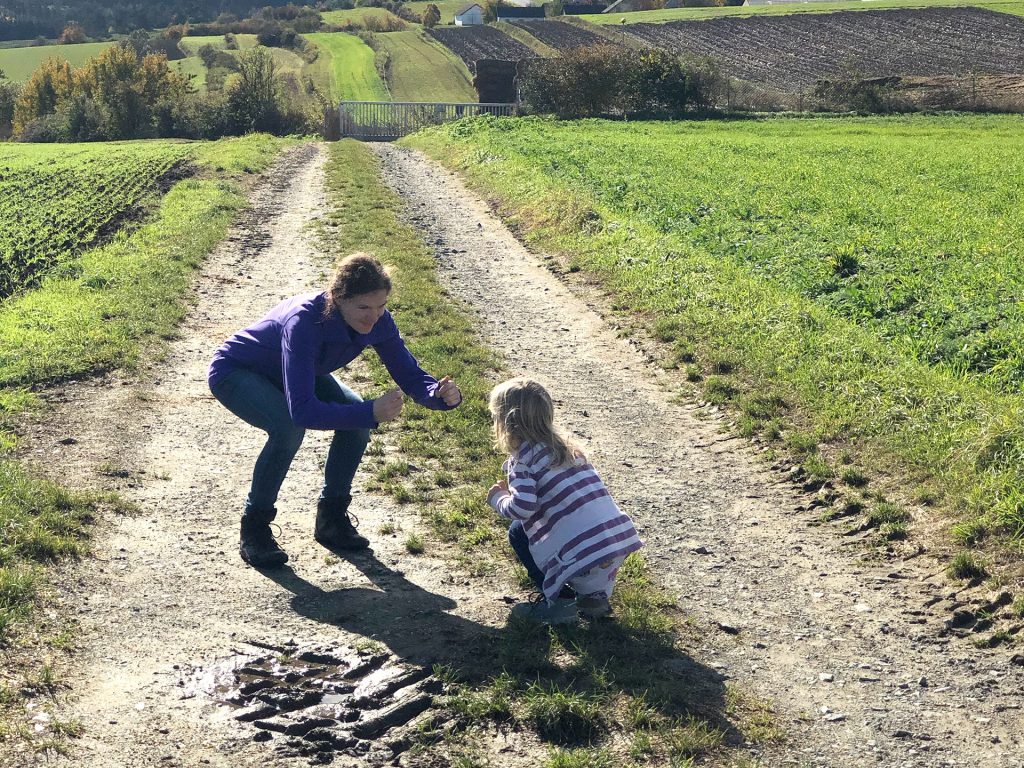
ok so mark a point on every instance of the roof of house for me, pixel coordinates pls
(466, 8)
(528, 12)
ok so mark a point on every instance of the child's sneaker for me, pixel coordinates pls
(562, 611)
(594, 606)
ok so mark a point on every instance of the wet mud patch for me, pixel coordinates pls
(323, 702)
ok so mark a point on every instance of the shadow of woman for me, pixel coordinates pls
(417, 626)
(414, 623)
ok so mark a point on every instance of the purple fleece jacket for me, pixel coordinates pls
(295, 343)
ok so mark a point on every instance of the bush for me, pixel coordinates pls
(600, 80)
(431, 16)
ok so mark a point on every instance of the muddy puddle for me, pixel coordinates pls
(320, 702)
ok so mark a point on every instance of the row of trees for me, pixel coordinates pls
(27, 19)
(121, 94)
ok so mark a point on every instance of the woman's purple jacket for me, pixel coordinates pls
(295, 343)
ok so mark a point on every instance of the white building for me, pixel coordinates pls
(470, 14)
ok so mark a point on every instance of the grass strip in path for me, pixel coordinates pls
(597, 694)
(108, 308)
(691, 233)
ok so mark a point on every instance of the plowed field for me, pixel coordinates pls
(558, 34)
(795, 51)
(474, 43)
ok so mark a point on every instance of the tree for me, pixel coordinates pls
(8, 97)
(73, 33)
(253, 97)
(49, 86)
(431, 16)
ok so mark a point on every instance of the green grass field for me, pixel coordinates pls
(193, 68)
(191, 45)
(52, 206)
(682, 14)
(852, 285)
(423, 70)
(353, 75)
(19, 63)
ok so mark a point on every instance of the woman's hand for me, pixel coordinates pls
(387, 406)
(448, 391)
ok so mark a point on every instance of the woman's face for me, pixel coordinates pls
(363, 311)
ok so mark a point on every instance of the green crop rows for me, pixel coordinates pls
(867, 273)
(53, 206)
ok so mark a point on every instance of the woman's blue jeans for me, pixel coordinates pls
(256, 400)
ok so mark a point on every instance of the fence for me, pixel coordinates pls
(388, 120)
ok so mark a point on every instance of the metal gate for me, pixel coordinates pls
(388, 120)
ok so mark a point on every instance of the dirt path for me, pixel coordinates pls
(840, 644)
(168, 612)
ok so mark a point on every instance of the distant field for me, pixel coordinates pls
(353, 75)
(53, 205)
(192, 67)
(423, 70)
(191, 45)
(19, 63)
(447, 8)
(481, 42)
(794, 52)
(682, 14)
(354, 15)
(851, 281)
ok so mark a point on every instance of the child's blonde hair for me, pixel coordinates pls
(522, 411)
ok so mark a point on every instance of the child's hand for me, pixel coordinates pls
(497, 488)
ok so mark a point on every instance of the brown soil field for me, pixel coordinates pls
(794, 52)
(474, 43)
(558, 34)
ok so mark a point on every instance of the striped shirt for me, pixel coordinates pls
(571, 521)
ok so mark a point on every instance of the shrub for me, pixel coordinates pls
(431, 16)
(599, 80)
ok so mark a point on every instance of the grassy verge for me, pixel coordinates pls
(840, 327)
(108, 308)
(622, 692)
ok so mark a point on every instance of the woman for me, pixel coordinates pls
(276, 375)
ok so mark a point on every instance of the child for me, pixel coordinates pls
(566, 529)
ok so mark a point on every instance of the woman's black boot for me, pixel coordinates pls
(257, 545)
(334, 528)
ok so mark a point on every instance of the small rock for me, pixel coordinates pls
(834, 717)
(923, 682)
(826, 677)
